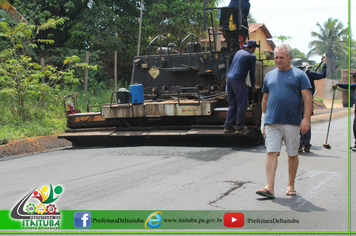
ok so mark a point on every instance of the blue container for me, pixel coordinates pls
(136, 91)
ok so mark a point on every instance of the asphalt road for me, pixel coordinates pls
(193, 178)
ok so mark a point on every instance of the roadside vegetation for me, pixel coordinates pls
(61, 31)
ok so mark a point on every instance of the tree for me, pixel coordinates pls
(353, 53)
(175, 19)
(112, 25)
(20, 77)
(332, 42)
(282, 38)
(250, 19)
(299, 54)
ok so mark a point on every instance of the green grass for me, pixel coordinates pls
(37, 127)
(40, 121)
(318, 99)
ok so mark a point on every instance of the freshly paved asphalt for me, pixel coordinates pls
(195, 178)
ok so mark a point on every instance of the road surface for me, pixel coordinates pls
(193, 178)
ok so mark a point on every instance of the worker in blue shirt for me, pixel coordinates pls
(245, 4)
(237, 91)
(352, 86)
(312, 75)
(235, 39)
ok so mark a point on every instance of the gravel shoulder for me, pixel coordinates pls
(32, 145)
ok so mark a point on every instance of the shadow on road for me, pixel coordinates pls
(298, 203)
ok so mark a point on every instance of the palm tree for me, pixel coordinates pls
(329, 43)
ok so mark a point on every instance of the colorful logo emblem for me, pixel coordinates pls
(37, 209)
(154, 220)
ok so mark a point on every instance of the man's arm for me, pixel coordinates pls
(264, 102)
(344, 85)
(308, 106)
(253, 74)
(316, 76)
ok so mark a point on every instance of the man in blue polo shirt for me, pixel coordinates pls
(281, 121)
(244, 61)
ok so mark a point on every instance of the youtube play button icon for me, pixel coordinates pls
(234, 219)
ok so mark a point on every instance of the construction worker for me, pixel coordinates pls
(237, 91)
(238, 40)
(352, 86)
(245, 5)
(312, 75)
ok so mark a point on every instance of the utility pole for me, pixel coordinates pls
(139, 30)
(43, 80)
(86, 79)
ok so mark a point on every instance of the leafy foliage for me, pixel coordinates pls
(298, 54)
(20, 77)
(250, 19)
(332, 42)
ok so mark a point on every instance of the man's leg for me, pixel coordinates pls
(293, 163)
(291, 137)
(273, 141)
(301, 142)
(241, 100)
(307, 138)
(271, 167)
(231, 112)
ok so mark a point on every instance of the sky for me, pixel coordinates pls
(299, 18)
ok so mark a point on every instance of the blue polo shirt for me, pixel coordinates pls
(285, 95)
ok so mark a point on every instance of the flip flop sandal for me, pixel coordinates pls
(291, 192)
(265, 194)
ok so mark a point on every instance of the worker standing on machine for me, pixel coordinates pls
(244, 61)
(352, 86)
(245, 5)
(236, 40)
(312, 75)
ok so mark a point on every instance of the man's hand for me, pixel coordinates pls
(335, 86)
(305, 126)
(325, 59)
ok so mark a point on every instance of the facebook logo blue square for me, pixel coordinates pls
(82, 220)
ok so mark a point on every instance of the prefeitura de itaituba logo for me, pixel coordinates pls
(37, 209)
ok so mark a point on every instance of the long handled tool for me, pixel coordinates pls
(326, 145)
(319, 64)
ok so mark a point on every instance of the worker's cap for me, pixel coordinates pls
(250, 44)
(305, 64)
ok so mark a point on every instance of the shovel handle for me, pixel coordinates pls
(319, 64)
(331, 111)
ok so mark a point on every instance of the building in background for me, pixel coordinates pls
(257, 31)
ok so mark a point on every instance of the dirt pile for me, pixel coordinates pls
(32, 145)
(319, 105)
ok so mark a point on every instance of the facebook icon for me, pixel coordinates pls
(82, 220)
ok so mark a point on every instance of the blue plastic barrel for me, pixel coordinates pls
(136, 91)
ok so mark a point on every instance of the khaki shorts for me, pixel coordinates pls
(276, 133)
